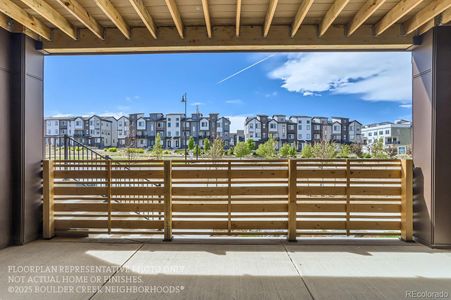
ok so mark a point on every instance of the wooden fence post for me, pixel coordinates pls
(48, 206)
(407, 200)
(108, 185)
(348, 196)
(167, 200)
(292, 192)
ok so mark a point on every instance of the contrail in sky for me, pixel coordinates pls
(247, 68)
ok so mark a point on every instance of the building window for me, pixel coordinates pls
(251, 126)
(272, 126)
(299, 127)
(177, 143)
(177, 133)
(169, 133)
(168, 143)
(300, 136)
(381, 132)
(308, 136)
(387, 131)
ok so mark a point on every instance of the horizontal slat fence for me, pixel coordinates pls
(229, 197)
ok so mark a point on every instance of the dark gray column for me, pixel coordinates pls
(21, 137)
(432, 138)
(5, 153)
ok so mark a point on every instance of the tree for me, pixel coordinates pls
(197, 150)
(191, 143)
(345, 151)
(206, 145)
(392, 151)
(157, 148)
(307, 151)
(268, 149)
(287, 151)
(241, 150)
(217, 149)
(377, 149)
(356, 149)
(250, 144)
(324, 150)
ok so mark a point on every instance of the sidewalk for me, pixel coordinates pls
(64, 269)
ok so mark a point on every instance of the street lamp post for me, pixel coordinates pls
(184, 100)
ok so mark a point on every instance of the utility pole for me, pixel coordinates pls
(184, 100)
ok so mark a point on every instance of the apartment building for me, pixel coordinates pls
(396, 134)
(94, 131)
(355, 132)
(299, 131)
(123, 133)
(175, 129)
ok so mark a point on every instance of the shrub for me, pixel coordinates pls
(241, 149)
(345, 151)
(157, 149)
(324, 150)
(268, 149)
(230, 151)
(112, 149)
(217, 149)
(251, 144)
(377, 149)
(287, 151)
(206, 145)
(307, 151)
(191, 143)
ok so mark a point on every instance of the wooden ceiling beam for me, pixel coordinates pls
(175, 14)
(111, 12)
(207, 17)
(12, 26)
(82, 15)
(269, 16)
(46, 11)
(330, 16)
(16, 13)
(300, 16)
(145, 16)
(366, 11)
(250, 39)
(426, 14)
(446, 16)
(238, 18)
(396, 13)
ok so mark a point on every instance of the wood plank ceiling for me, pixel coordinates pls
(316, 24)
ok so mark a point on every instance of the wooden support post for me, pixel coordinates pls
(108, 184)
(49, 214)
(348, 195)
(229, 197)
(167, 200)
(292, 192)
(407, 200)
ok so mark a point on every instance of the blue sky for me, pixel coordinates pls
(370, 87)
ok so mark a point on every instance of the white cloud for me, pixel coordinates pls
(58, 115)
(406, 105)
(234, 101)
(382, 76)
(236, 122)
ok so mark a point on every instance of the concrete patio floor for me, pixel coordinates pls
(224, 269)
